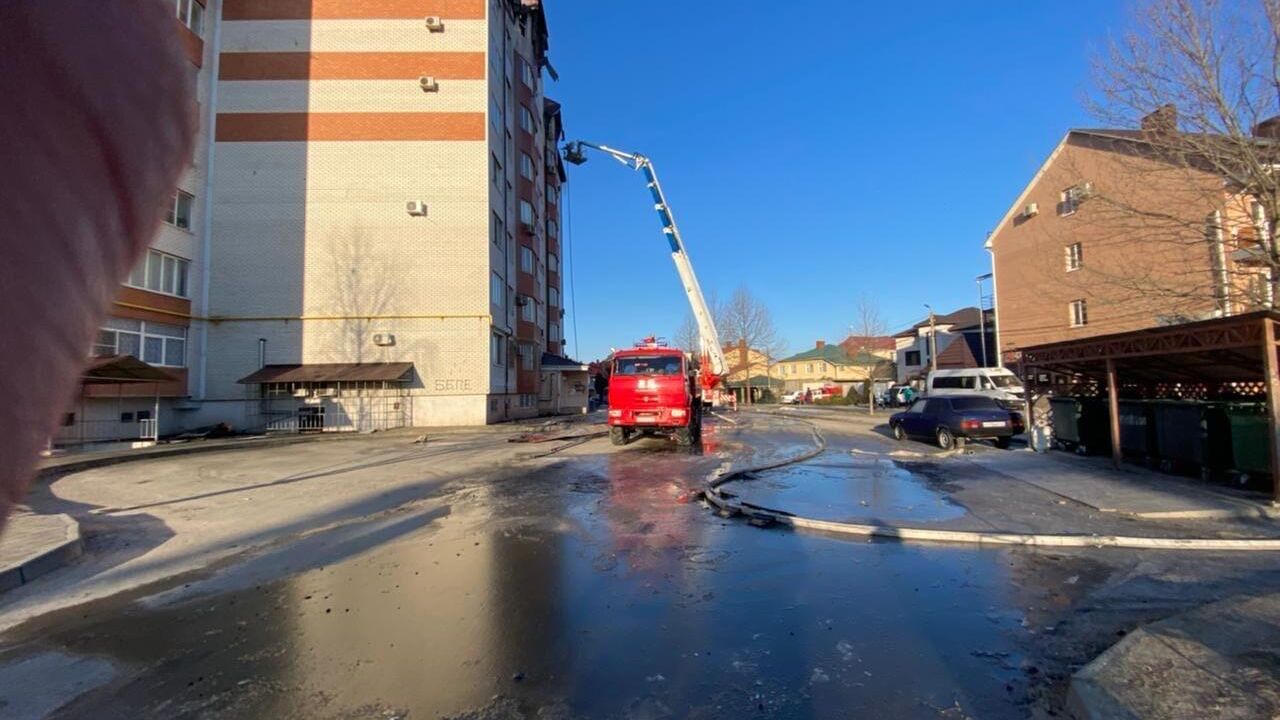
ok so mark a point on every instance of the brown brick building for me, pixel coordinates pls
(1110, 235)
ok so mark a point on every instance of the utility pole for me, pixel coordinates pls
(982, 318)
(933, 339)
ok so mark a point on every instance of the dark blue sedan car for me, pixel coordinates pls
(944, 419)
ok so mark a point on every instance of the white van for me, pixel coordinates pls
(996, 383)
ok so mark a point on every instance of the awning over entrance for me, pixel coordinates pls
(119, 369)
(331, 372)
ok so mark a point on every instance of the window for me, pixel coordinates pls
(126, 417)
(526, 356)
(808, 368)
(954, 383)
(499, 233)
(178, 214)
(553, 230)
(553, 297)
(526, 120)
(497, 350)
(495, 114)
(526, 72)
(649, 365)
(497, 172)
(553, 332)
(526, 259)
(191, 13)
(154, 343)
(1079, 313)
(526, 166)
(553, 195)
(1075, 256)
(497, 291)
(162, 273)
(527, 309)
(553, 263)
(526, 213)
(1070, 201)
(912, 357)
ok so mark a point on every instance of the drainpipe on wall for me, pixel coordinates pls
(1222, 288)
(206, 227)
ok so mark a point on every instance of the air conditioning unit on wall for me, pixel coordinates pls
(416, 208)
(384, 339)
(435, 24)
(1030, 210)
(428, 83)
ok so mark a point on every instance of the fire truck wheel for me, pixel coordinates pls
(618, 436)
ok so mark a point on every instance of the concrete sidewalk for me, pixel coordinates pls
(32, 545)
(1132, 490)
(1219, 661)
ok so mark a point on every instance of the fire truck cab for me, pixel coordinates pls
(653, 389)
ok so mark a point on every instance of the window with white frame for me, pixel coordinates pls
(1079, 313)
(553, 263)
(527, 309)
(526, 166)
(178, 213)
(154, 343)
(553, 332)
(526, 213)
(162, 273)
(526, 120)
(497, 350)
(553, 195)
(526, 259)
(809, 368)
(1075, 256)
(1070, 201)
(191, 14)
(553, 297)
(553, 230)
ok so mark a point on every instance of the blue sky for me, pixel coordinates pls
(813, 151)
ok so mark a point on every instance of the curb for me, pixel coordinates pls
(46, 559)
(72, 465)
(728, 506)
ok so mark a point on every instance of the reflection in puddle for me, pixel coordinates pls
(861, 488)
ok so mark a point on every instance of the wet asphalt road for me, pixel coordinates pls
(591, 588)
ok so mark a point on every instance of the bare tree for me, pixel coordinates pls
(1197, 83)
(868, 328)
(746, 321)
(687, 337)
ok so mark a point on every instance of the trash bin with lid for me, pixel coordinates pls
(1136, 430)
(1080, 424)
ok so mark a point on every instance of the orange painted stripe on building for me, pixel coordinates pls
(284, 127)
(351, 9)
(351, 66)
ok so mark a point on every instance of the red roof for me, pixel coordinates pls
(854, 343)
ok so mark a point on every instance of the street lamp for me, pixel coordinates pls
(982, 318)
(933, 339)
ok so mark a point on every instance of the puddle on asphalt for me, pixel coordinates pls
(862, 489)
(601, 599)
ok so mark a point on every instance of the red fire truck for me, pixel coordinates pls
(654, 388)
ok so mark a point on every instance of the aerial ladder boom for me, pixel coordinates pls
(712, 353)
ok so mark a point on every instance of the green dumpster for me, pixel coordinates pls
(1249, 437)
(1182, 435)
(1081, 424)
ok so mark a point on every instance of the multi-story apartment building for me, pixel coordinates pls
(369, 233)
(1122, 230)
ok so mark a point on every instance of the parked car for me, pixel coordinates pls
(998, 384)
(898, 396)
(793, 397)
(946, 419)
